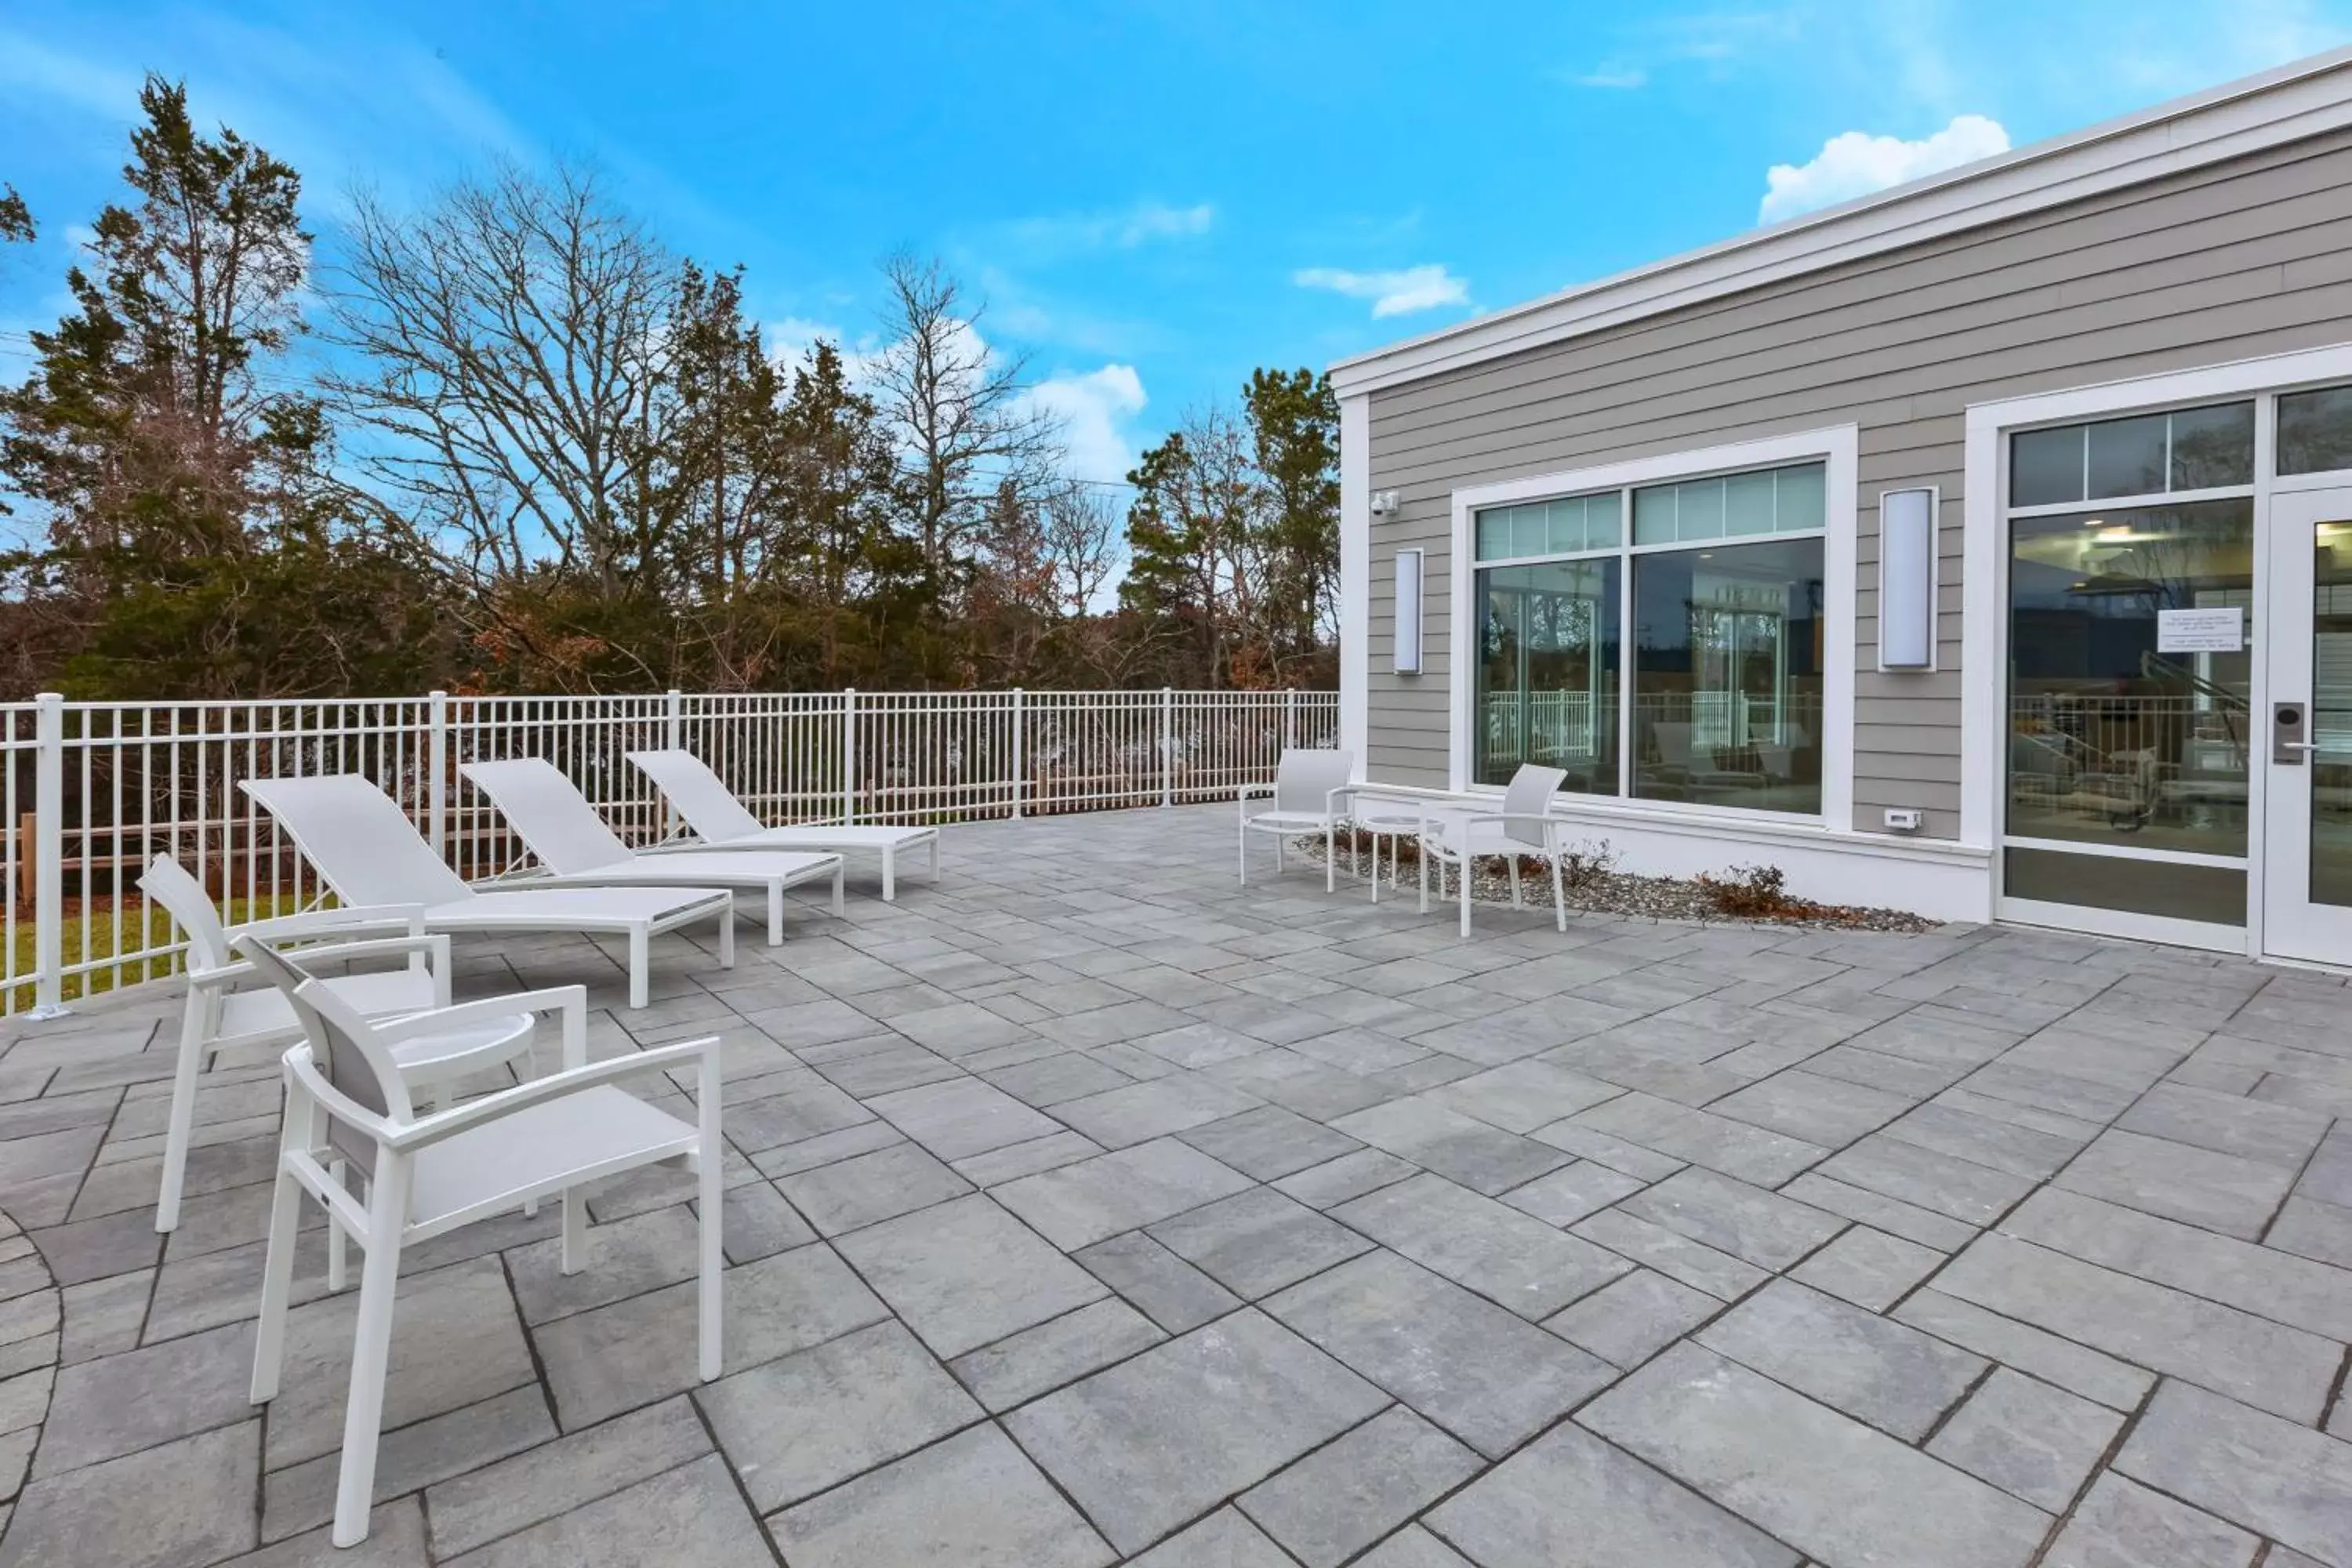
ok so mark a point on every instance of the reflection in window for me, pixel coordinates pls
(2113, 738)
(1547, 672)
(2147, 454)
(2315, 431)
(1727, 676)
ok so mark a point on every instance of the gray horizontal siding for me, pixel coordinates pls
(2247, 258)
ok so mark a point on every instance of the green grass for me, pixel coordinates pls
(89, 934)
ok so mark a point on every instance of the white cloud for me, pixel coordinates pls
(1095, 409)
(1120, 228)
(1614, 74)
(1855, 163)
(1395, 293)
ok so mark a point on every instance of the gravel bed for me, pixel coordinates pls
(1622, 893)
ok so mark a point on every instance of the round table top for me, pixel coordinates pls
(467, 1046)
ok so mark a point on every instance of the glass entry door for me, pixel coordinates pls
(2307, 801)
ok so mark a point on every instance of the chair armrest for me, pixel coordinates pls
(490, 1108)
(435, 946)
(331, 923)
(1247, 793)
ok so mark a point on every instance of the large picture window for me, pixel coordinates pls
(1678, 660)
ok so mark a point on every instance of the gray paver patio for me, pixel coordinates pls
(1085, 1208)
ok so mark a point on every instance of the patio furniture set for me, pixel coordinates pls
(375, 1056)
(1313, 793)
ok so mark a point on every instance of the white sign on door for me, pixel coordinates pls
(2201, 631)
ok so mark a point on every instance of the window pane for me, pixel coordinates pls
(1494, 533)
(1748, 503)
(2046, 467)
(1529, 535)
(1802, 498)
(2126, 456)
(2214, 446)
(1698, 510)
(2315, 431)
(1547, 672)
(2112, 739)
(1727, 676)
(1603, 517)
(1653, 515)
(1567, 531)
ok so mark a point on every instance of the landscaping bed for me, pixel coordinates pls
(1740, 895)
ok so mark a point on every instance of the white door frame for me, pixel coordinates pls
(2293, 928)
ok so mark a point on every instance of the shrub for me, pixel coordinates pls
(1755, 892)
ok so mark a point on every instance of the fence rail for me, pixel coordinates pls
(90, 791)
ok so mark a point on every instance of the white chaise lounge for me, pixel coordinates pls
(720, 821)
(370, 854)
(569, 838)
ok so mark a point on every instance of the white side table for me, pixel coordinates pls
(1394, 818)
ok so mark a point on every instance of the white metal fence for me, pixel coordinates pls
(90, 791)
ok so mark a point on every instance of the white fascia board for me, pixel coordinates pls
(2308, 97)
(1356, 579)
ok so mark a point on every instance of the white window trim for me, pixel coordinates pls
(1984, 598)
(1356, 582)
(1838, 448)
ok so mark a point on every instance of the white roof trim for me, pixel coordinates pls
(2304, 98)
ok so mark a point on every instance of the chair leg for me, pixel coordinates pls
(1424, 878)
(641, 959)
(890, 874)
(1463, 872)
(712, 1151)
(775, 914)
(1330, 859)
(727, 938)
(1243, 876)
(1517, 902)
(1559, 894)
(575, 1229)
(278, 1265)
(181, 1127)
(935, 857)
(840, 889)
(371, 1350)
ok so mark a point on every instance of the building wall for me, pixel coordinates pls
(2235, 259)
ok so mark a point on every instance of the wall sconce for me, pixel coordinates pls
(1408, 612)
(1906, 579)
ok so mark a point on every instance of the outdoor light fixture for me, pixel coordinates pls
(1408, 612)
(1906, 579)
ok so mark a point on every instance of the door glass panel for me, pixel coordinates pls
(2114, 738)
(2331, 717)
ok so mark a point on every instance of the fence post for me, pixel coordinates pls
(849, 753)
(1019, 754)
(437, 771)
(673, 740)
(1167, 745)
(1289, 718)
(49, 858)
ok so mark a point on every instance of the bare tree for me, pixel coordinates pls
(954, 411)
(510, 339)
(1081, 541)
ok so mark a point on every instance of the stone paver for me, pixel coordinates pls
(1084, 1207)
(1155, 1440)
(1832, 1487)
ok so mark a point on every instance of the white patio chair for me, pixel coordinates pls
(219, 1017)
(568, 837)
(1303, 798)
(369, 852)
(720, 822)
(1524, 826)
(428, 1176)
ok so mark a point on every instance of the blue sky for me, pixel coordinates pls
(1153, 196)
